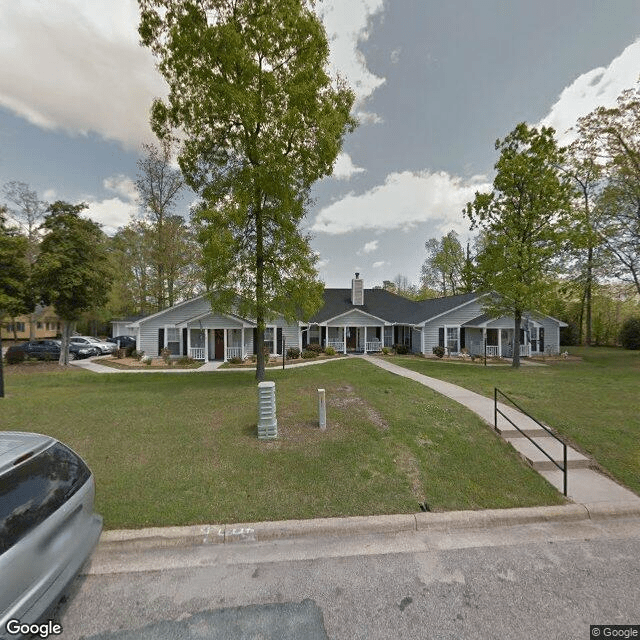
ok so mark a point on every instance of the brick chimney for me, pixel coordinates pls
(357, 290)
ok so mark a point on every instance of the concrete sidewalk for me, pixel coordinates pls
(585, 486)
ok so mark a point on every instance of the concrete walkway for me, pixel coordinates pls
(584, 485)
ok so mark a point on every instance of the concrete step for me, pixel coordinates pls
(507, 430)
(540, 462)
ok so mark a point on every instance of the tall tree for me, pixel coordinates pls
(444, 267)
(73, 270)
(524, 219)
(13, 275)
(613, 135)
(585, 248)
(26, 208)
(160, 186)
(261, 121)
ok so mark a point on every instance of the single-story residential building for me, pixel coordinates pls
(353, 320)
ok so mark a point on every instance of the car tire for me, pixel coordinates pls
(72, 356)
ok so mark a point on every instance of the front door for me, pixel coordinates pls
(219, 344)
(351, 338)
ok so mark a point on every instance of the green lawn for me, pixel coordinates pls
(176, 449)
(595, 402)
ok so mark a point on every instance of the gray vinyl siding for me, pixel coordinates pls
(148, 336)
(551, 335)
(454, 318)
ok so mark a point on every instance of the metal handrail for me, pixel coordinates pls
(497, 411)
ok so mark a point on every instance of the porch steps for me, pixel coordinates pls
(529, 451)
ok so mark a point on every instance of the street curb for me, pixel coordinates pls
(359, 525)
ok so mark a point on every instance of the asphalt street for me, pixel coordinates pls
(539, 581)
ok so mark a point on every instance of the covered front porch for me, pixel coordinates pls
(222, 338)
(499, 340)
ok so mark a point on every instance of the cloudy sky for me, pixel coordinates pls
(437, 82)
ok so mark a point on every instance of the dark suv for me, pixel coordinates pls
(50, 350)
(48, 528)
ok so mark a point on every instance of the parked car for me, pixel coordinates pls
(124, 341)
(102, 346)
(50, 350)
(48, 528)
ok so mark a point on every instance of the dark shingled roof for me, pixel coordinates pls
(387, 306)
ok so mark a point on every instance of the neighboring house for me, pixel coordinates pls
(122, 326)
(46, 323)
(351, 320)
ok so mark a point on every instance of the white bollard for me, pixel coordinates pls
(322, 409)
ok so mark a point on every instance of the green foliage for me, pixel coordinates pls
(185, 361)
(630, 334)
(15, 357)
(261, 121)
(402, 349)
(386, 351)
(330, 351)
(446, 268)
(524, 219)
(13, 270)
(293, 353)
(308, 354)
(235, 360)
(316, 348)
(439, 351)
(72, 270)
(120, 353)
(165, 354)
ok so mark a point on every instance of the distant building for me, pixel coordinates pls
(46, 323)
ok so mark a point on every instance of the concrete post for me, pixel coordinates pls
(267, 422)
(322, 409)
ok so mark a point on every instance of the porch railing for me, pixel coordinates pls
(493, 350)
(234, 352)
(337, 345)
(375, 345)
(197, 353)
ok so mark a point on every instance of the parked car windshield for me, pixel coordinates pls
(33, 490)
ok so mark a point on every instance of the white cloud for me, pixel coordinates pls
(369, 247)
(123, 186)
(322, 263)
(403, 201)
(598, 87)
(78, 67)
(50, 195)
(344, 167)
(346, 26)
(377, 265)
(115, 212)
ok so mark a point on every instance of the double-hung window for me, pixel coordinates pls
(268, 339)
(173, 340)
(452, 339)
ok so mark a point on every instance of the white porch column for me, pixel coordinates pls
(344, 339)
(242, 342)
(188, 354)
(365, 339)
(499, 343)
(206, 345)
(224, 344)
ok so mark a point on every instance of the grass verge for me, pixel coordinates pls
(177, 450)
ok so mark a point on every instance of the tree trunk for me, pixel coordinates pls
(517, 321)
(260, 315)
(587, 297)
(1, 367)
(67, 326)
